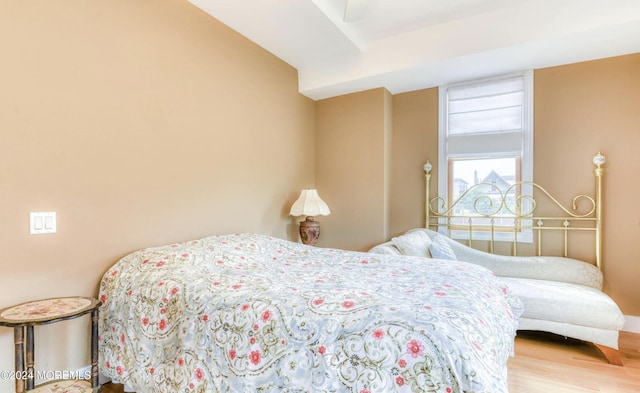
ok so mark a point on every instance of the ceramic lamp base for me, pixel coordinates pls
(309, 231)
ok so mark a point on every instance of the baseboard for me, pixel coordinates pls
(631, 324)
(86, 370)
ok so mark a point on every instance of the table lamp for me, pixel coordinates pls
(309, 204)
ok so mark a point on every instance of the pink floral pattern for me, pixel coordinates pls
(248, 312)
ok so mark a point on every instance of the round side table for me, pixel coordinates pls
(23, 317)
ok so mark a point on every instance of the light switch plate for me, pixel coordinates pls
(42, 222)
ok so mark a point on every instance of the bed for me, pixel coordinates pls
(253, 313)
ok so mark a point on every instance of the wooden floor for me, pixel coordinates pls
(549, 363)
(545, 363)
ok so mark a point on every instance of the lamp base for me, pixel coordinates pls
(309, 231)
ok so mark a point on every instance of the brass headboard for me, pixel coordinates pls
(584, 215)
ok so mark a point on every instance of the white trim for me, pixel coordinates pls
(631, 324)
(527, 139)
(85, 371)
(443, 167)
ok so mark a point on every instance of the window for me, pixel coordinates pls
(486, 137)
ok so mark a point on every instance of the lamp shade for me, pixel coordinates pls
(309, 204)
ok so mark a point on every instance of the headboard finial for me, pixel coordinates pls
(427, 167)
(599, 160)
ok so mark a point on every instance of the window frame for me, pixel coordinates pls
(445, 184)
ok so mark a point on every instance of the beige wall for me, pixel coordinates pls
(415, 140)
(353, 138)
(139, 123)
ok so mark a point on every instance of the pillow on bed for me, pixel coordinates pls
(440, 249)
(413, 243)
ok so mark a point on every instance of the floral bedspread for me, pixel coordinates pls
(251, 313)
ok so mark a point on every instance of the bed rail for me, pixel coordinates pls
(485, 212)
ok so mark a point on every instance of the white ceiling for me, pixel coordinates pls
(406, 45)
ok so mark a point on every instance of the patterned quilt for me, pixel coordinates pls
(251, 313)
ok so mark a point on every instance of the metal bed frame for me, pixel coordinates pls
(584, 214)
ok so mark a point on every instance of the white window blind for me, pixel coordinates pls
(486, 117)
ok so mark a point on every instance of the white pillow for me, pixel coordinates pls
(414, 243)
(440, 249)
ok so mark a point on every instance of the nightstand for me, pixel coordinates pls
(23, 317)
